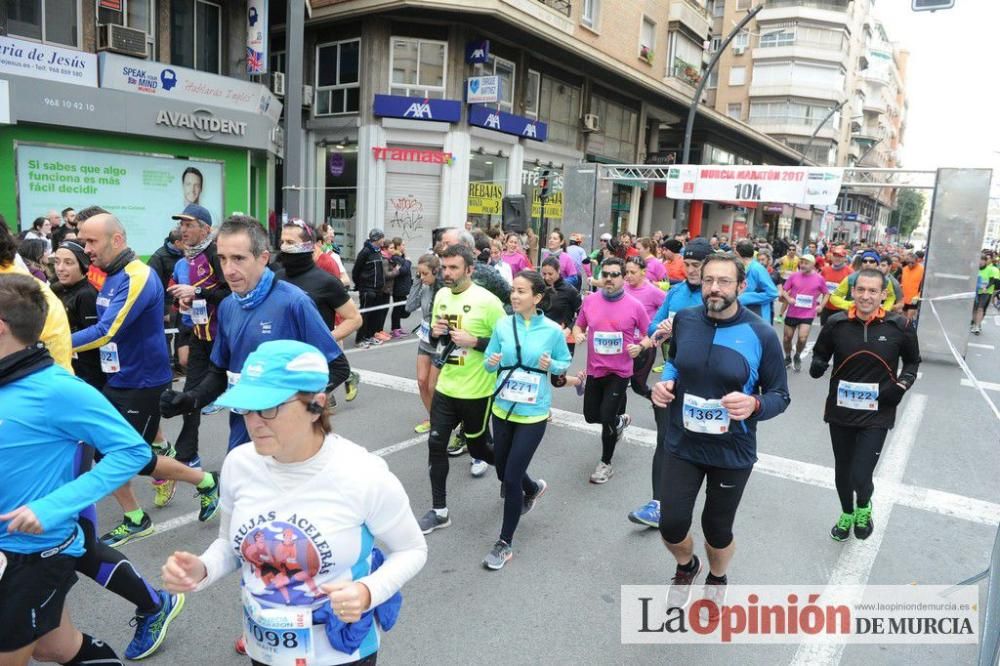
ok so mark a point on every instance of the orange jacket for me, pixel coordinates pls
(911, 280)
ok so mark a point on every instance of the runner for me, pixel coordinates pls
(724, 366)
(613, 325)
(673, 260)
(655, 271)
(514, 255)
(562, 306)
(834, 273)
(129, 335)
(912, 280)
(760, 293)
(651, 298)
(660, 328)
(987, 281)
(787, 265)
(40, 538)
(335, 306)
(557, 248)
(79, 298)
(804, 292)
(842, 297)
(464, 317)
(300, 518)
(259, 309)
(524, 347)
(866, 344)
(421, 298)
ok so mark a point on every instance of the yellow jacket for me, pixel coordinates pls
(55, 334)
(840, 298)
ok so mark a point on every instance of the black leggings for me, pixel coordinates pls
(604, 399)
(855, 452)
(680, 482)
(514, 445)
(662, 416)
(447, 413)
(370, 660)
(199, 362)
(642, 365)
(371, 322)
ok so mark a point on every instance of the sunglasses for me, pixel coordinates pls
(612, 275)
(266, 414)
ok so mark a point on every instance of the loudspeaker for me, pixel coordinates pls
(515, 213)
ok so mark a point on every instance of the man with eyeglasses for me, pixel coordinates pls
(804, 292)
(260, 308)
(613, 324)
(724, 375)
(867, 344)
(680, 296)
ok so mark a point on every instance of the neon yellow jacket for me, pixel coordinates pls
(841, 296)
(55, 334)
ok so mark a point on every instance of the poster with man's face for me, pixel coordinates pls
(143, 191)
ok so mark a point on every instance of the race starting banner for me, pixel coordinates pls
(817, 186)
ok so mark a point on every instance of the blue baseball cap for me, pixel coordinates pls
(870, 254)
(274, 372)
(195, 212)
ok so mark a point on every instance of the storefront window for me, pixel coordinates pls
(341, 194)
(487, 186)
(530, 176)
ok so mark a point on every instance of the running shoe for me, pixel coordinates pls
(648, 514)
(431, 521)
(211, 409)
(478, 468)
(624, 421)
(499, 556)
(714, 591)
(797, 363)
(658, 369)
(163, 492)
(779, 319)
(679, 594)
(529, 500)
(164, 448)
(788, 361)
(209, 499)
(382, 336)
(842, 530)
(863, 523)
(582, 386)
(602, 473)
(194, 463)
(128, 531)
(150, 630)
(399, 333)
(241, 646)
(363, 344)
(457, 445)
(374, 342)
(422, 427)
(351, 386)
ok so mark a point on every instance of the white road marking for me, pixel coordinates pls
(979, 345)
(854, 566)
(387, 345)
(989, 386)
(996, 319)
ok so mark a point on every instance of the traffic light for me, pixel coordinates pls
(543, 185)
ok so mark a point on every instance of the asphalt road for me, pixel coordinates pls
(558, 600)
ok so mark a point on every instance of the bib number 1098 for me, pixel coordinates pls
(285, 639)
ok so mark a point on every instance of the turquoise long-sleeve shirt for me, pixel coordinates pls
(681, 295)
(538, 336)
(761, 291)
(43, 418)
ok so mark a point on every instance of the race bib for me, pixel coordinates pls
(457, 355)
(708, 417)
(803, 301)
(109, 358)
(857, 395)
(831, 286)
(522, 387)
(424, 332)
(199, 311)
(103, 301)
(277, 636)
(232, 379)
(608, 342)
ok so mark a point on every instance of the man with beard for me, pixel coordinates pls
(724, 375)
(298, 241)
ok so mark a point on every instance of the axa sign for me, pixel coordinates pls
(417, 108)
(508, 123)
(202, 122)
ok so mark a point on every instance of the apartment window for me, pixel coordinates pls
(742, 5)
(276, 62)
(559, 106)
(713, 79)
(504, 69)
(591, 11)
(715, 44)
(737, 75)
(418, 67)
(779, 37)
(686, 61)
(196, 35)
(787, 112)
(52, 21)
(735, 111)
(338, 87)
(742, 40)
(647, 38)
(718, 8)
(619, 128)
(791, 33)
(798, 74)
(138, 14)
(531, 93)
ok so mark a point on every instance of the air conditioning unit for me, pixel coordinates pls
(591, 122)
(278, 84)
(739, 50)
(307, 96)
(118, 38)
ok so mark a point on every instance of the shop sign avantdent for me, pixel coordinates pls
(203, 123)
(412, 155)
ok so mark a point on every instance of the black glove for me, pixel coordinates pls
(174, 403)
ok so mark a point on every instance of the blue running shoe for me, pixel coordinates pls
(209, 500)
(211, 409)
(150, 630)
(648, 514)
(128, 531)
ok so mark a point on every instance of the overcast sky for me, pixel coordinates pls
(952, 82)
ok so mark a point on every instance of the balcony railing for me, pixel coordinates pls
(561, 6)
(829, 5)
